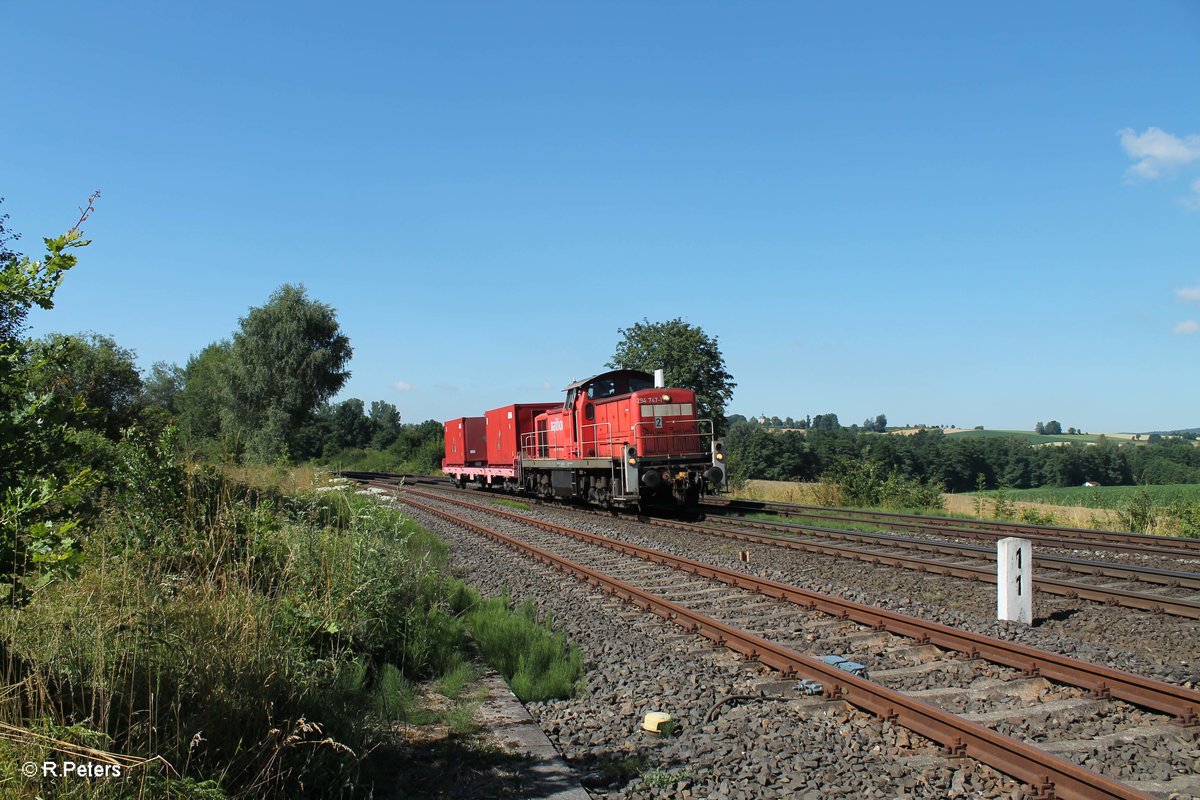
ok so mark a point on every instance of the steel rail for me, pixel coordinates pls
(1048, 776)
(1101, 539)
(1154, 603)
(1166, 577)
(1142, 601)
(1163, 577)
(1102, 681)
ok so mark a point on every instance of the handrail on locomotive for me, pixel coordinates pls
(539, 444)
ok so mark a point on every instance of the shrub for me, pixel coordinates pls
(860, 484)
(1034, 517)
(1139, 513)
(1185, 517)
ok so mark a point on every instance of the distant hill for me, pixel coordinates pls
(1035, 438)
(1177, 432)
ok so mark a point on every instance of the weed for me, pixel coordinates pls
(613, 766)
(461, 718)
(661, 778)
(980, 486)
(537, 663)
(1002, 506)
(1034, 517)
(1139, 513)
(458, 678)
(1185, 514)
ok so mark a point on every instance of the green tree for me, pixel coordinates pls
(385, 424)
(1054, 427)
(690, 358)
(289, 357)
(12, 312)
(825, 422)
(351, 427)
(95, 373)
(160, 394)
(205, 396)
(32, 422)
(36, 497)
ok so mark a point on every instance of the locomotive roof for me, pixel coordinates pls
(611, 373)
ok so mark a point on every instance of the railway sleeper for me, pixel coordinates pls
(1078, 705)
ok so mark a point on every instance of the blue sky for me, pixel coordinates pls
(947, 213)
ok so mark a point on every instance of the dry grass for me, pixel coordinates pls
(956, 504)
(779, 492)
(292, 481)
(1068, 516)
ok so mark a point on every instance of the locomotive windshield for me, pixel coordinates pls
(617, 384)
(604, 388)
(636, 384)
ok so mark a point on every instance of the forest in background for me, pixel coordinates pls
(958, 463)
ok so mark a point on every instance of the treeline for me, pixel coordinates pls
(262, 397)
(958, 462)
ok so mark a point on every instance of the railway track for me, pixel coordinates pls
(1175, 592)
(955, 560)
(1106, 569)
(773, 606)
(956, 527)
(1043, 535)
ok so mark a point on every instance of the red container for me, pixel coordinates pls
(466, 441)
(506, 426)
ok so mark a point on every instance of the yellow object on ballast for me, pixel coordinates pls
(655, 720)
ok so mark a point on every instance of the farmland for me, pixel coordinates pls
(1103, 497)
(1039, 438)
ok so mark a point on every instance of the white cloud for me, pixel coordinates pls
(1189, 294)
(404, 386)
(1191, 326)
(1157, 152)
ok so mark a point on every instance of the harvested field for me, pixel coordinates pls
(962, 505)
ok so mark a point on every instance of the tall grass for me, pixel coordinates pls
(245, 633)
(258, 642)
(537, 662)
(1165, 509)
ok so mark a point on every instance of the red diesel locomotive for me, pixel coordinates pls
(619, 440)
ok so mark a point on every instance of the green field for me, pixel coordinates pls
(1098, 496)
(1038, 438)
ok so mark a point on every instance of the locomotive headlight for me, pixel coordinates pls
(666, 398)
(720, 456)
(633, 461)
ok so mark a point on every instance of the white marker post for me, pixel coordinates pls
(1014, 580)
